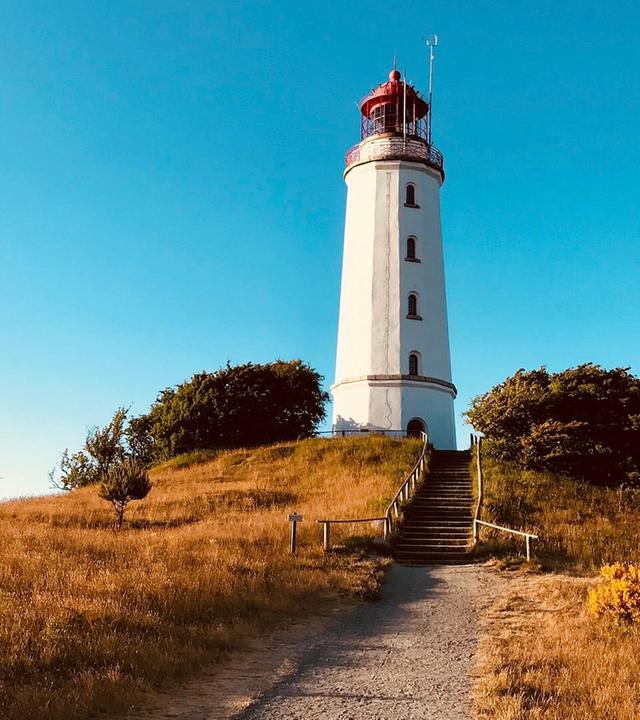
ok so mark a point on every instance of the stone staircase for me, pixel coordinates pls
(437, 526)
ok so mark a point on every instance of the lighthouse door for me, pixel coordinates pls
(415, 427)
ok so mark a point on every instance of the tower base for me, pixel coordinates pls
(397, 403)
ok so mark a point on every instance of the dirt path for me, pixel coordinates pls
(408, 656)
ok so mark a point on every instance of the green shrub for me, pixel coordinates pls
(236, 406)
(125, 481)
(583, 422)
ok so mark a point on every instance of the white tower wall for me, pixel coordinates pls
(373, 388)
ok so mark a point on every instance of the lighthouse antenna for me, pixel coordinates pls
(404, 108)
(431, 44)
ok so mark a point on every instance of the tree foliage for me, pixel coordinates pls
(104, 448)
(583, 421)
(241, 405)
(125, 481)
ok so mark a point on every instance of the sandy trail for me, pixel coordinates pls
(407, 657)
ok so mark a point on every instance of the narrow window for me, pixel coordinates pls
(411, 248)
(412, 309)
(410, 195)
(413, 364)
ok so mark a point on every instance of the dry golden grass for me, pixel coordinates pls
(581, 526)
(543, 658)
(89, 617)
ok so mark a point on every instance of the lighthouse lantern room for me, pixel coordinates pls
(393, 367)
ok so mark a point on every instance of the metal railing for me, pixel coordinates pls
(396, 149)
(476, 445)
(362, 431)
(392, 513)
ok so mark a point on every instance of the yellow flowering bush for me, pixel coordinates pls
(619, 598)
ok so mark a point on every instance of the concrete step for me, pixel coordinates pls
(429, 547)
(460, 512)
(413, 533)
(433, 558)
(441, 499)
(418, 528)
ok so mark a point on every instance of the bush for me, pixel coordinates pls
(126, 481)
(619, 598)
(583, 422)
(236, 406)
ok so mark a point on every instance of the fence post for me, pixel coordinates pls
(326, 536)
(475, 531)
(528, 549)
(480, 478)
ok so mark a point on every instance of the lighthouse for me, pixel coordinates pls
(393, 364)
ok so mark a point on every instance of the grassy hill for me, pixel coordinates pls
(90, 617)
(543, 656)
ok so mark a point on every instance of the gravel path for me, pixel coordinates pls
(407, 657)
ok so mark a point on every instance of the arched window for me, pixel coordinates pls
(411, 248)
(412, 305)
(410, 198)
(414, 364)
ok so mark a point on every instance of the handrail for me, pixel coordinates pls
(476, 441)
(326, 528)
(406, 488)
(506, 529)
(528, 536)
(410, 483)
(352, 520)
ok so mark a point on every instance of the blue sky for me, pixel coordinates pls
(171, 193)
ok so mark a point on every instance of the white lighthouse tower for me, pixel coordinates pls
(393, 367)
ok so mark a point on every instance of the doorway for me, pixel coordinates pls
(415, 427)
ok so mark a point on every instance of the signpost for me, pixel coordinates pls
(294, 519)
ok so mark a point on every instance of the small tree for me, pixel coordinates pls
(106, 445)
(103, 448)
(125, 481)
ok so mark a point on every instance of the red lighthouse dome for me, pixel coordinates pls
(395, 125)
(394, 107)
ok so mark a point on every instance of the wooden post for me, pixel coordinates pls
(480, 478)
(528, 549)
(326, 536)
(475, 531)
(294, 519)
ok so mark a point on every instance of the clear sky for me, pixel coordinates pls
(171, 192)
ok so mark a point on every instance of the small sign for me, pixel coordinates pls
(294, 517)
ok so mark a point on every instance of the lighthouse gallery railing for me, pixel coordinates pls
(395, 148)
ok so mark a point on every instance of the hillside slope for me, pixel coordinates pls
(542, 656)
(89, 617)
